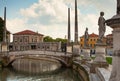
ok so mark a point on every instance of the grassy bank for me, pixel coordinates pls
(108, 59)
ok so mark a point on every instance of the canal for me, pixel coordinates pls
(38, 70)
(60, 75)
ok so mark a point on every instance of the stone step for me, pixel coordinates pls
(94, 77)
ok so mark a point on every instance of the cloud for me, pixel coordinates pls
(15, 25)
(49, 17)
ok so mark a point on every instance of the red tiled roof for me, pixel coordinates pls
(27, 32)
(93, 35)
(109, 35)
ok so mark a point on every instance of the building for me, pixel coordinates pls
(91, 41)
(27, 36)
(29, 40)
(109, 40)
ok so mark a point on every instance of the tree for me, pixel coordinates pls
(61, 40)
(48, 39)
(1, 29)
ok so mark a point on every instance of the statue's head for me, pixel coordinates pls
(101, 13)
(86, 28)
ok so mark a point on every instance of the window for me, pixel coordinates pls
(15, 39)
(32, 40)
(81, 45)
(81, 40)
(25, 39)
(35, 39)
(90, 39)
(20, 40)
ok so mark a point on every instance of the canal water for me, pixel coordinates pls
(37, 70)
(60, 75)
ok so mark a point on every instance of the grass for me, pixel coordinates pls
(108, 59)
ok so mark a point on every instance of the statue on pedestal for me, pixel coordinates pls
(86, 37)
(102, 27)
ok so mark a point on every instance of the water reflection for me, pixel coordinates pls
(36, 66)
(60, 75)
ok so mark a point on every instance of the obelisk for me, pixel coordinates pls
(76, 24)
(114, 23)
(4, 43)
(69, 35)
(4, 34)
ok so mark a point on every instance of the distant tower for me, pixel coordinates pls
(4, 34)
(76, 24)
(69, 35)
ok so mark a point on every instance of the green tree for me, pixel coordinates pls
(1, 29)
(48, 39)
(61, 40)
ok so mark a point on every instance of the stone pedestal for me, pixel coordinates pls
(4, 47)
(76, 52)
(94, 65)
(69, 49)
(100, 53)
(115, 24)
(100, 60)
(86, 54)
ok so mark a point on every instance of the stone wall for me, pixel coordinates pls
(51, 46)
(82, 71)
(104, 74)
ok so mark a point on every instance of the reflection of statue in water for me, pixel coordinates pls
(102, 28)
(118, 6)
(86, 37)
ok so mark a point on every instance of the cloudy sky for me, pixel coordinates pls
(49, 17)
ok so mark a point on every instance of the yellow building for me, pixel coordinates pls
(92, 40)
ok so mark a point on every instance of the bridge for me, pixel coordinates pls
(63, 58)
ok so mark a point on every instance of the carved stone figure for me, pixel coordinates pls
(118, 6)
(86, 37)
(102, 28)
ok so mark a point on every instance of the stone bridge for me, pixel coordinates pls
(64, 59)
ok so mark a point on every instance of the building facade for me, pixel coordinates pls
(29, 40)
(109, 40)
(93, 38)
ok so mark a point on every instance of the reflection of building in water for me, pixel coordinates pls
(29, 40)
(59, 75)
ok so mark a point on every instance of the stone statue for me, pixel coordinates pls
(86, 37)
(118, 6)
(102, 28)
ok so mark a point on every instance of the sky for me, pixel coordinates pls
(50, 17)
